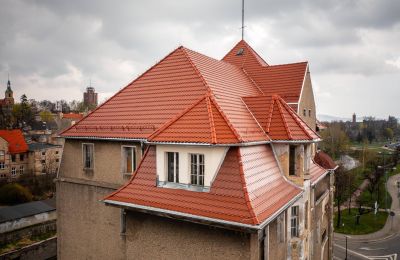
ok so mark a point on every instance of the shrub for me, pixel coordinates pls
(14, 193)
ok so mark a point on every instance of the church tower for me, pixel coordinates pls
(9, 97)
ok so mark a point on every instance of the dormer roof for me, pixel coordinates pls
(248, 189)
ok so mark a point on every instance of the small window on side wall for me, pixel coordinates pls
(292, 160)
(304, 112)
(88, 158)
(294, 221)
(128, 159)
(309, 112)
(197, 169)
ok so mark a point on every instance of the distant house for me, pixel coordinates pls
(44, 158)
(199, 158)
(14, 160)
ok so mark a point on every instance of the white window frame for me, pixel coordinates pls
(123, 162)
(175, 168)
(197, 169)
(84, 156)
(2, 165)
(294, 221)
(13, 171)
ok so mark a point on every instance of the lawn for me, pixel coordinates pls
(369, 222)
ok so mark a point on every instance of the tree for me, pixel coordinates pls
(14, 193)
(46, 116)
(22, 112)
(340, 190)
(388, 133)
(335, 140)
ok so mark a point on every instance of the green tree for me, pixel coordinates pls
(22, 112)
(14, 193)
(340, 191)
(46, 116)
(388, 133)
(335, 140)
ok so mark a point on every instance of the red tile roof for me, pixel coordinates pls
(285, 80)
(72, 116)
(248, 188)
(15, 139)
(316, 172)
(160, 105)
(324, 160)
(278, 120)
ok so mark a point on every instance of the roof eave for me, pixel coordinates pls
(103, 138)
(296, 141)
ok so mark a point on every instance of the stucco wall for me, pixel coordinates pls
(282, 153)
(28, 221)
(277, 249)
(107, 161)
(213, 157)
(307, 102)
(87, 229)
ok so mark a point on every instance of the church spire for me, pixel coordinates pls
(9, 83)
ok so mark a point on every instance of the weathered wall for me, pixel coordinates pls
(87, 229)
(46, 249)
(277, 248)
(35, 230)
(307, 102)
(282, 153)
(107, 161)
(28, 221)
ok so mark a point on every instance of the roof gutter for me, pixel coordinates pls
(296, 141)
(204, 220)
(103, 138)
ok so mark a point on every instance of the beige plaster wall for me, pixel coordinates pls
(307, 102)
(282, 153)
(277, 249)
(107, 161)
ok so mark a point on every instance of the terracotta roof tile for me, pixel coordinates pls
(316, 172)
(324, 160)
(72, 116)
(16, 141)
(247, 189)
(278, 120)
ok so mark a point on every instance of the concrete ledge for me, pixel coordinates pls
(89, 183)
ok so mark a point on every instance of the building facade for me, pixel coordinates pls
(44, 158)
(14, 154)
(199, 158)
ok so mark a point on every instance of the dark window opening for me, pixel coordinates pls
(292, 160)
(173, 166)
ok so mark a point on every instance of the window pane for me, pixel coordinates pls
(170, 166)
(176, 167)
(292, 160)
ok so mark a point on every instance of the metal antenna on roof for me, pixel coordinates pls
(242, 19)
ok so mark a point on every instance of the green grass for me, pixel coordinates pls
(369, 222)
(25, 242)
(369, 201)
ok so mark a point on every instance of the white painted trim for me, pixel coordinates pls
(122, 160)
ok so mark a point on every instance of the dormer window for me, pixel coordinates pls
(197, 169)
(173, 166)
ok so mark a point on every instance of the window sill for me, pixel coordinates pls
(182, 186)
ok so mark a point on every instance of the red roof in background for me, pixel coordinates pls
(72, 116)
(278, 120)
(15, 139)
(284, 80)
(161, 104)
(316, 172)
(324, 160)
(248, 188)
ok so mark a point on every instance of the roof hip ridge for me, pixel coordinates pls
(254, 218)
(215, 103)
(211, 120)
(296, 118)
(175, 118)
(276, 97)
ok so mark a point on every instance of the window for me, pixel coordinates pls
(281, 227)
(128, 159)
(13, 171)
(13, 158)
(323, 236)
(2, 155)
(309, 112)
(56, 152)
(87, 150)
(21, 169)
(2, 166)
(173, 166)
(57, 160)
(294, 221)
(197, 169)
(304, 112)
(43, 162)
(292, 160)
(44, 153)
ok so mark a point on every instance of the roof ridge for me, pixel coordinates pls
(297, 118)
(254, 218)
(133, 174)
(211, 121)
(282, 116)
(255, 119)
(119, 91)
(255, 54)
(215, 103)
(284, 64)
(252, 81)
(174, 119)
(196, 69)
(269, 119)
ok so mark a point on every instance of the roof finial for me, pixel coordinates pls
(242, 20)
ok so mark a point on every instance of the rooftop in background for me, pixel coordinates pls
(42, 146)
(75, 116)
(15, 139)
(27, 209)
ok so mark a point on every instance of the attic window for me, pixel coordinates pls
(240, 52)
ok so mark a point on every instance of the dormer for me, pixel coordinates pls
(188, 167)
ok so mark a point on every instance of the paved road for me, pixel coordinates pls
(384, 244)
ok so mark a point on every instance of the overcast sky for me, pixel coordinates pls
(53, 48)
